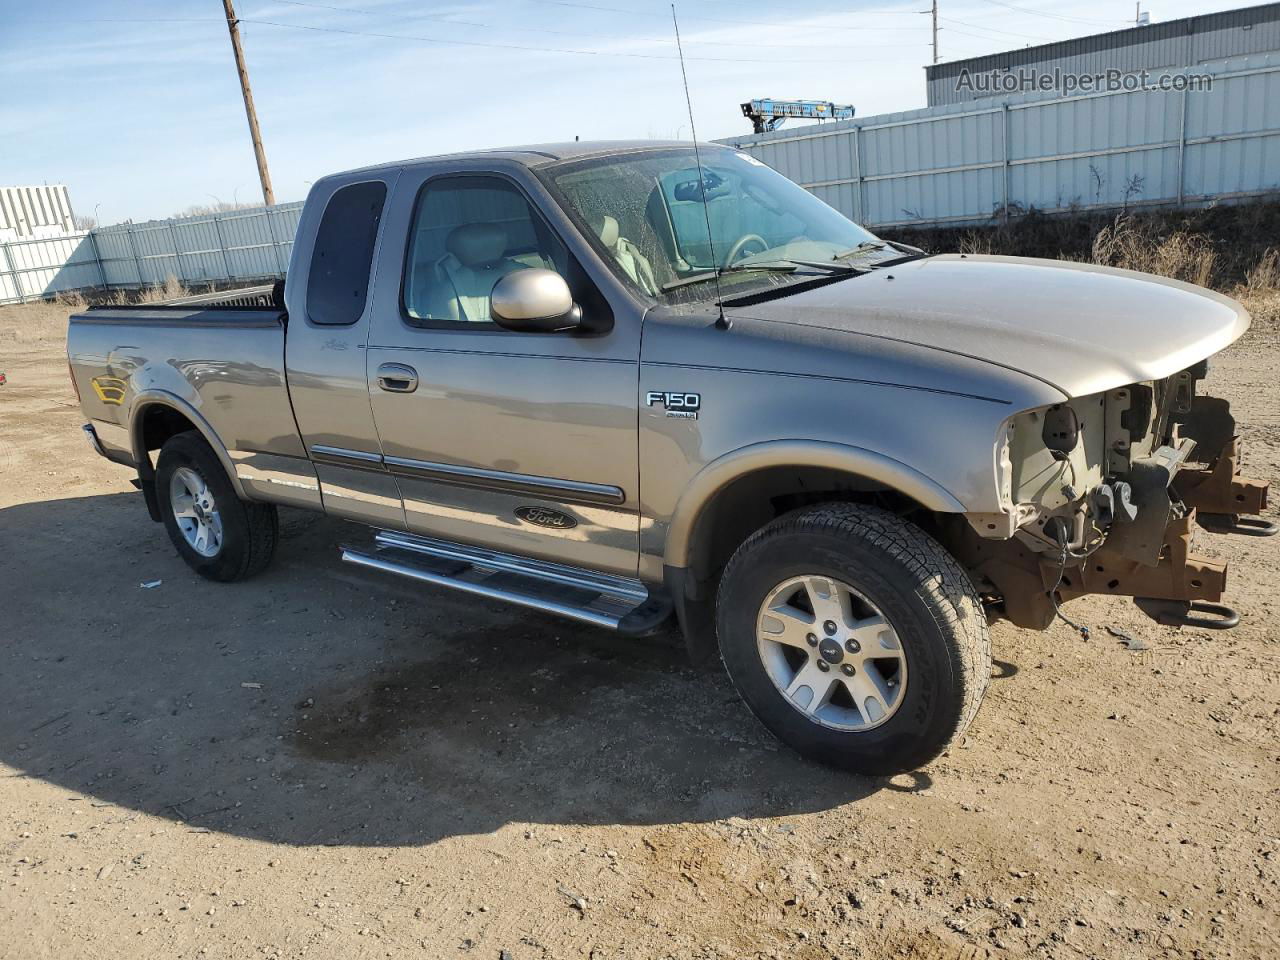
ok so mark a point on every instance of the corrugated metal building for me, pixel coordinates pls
(28, 213)
(1171, 46)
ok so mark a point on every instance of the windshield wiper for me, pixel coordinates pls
(870, 246)
(782, 265)
(834, 266)
(867, 246)
(715, 274)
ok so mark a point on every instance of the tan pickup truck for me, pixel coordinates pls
(623, 383)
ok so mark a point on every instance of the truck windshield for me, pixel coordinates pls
(647, 211)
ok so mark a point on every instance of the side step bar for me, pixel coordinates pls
(603, 600)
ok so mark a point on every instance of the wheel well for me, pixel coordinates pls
(158, 424)
(746, 504)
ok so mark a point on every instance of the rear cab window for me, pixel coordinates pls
(338, 280)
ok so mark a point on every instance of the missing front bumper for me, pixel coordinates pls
(1193, 480)
(1226, 501)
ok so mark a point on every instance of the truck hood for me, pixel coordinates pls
(1080, 328)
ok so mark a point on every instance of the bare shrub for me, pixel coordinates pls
(1266, 274)
(1132, 244)
(1223, 246)
(171, 290)
(975, 243)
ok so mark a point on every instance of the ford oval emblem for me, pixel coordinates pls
(546, 517)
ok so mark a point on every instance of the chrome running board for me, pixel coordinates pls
(604, 600)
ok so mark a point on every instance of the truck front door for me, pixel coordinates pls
(521, 442)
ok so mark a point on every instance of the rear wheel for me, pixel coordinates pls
(219, 535)
(854, 637)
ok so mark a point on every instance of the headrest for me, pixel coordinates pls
(477, 244)
(607, 230)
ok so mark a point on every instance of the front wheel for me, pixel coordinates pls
(219, 535)
(854, 637)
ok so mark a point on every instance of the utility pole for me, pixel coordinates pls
(260, 155)
(935, 31)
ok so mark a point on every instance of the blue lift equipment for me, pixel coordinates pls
(768, 114)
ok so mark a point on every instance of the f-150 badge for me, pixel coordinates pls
(684, 406)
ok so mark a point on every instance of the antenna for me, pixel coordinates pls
(702, 177)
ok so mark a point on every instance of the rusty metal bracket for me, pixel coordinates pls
(1219, 488)
(1179, 575)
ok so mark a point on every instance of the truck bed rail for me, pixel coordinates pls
(259, 296)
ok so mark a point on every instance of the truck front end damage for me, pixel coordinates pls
(1101, 495)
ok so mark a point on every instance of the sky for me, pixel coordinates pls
(135, 105)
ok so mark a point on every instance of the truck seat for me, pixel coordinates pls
(627, 254)
(463, 279)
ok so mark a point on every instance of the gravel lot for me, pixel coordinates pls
(320, 762)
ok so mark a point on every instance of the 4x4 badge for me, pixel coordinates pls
(685, 406)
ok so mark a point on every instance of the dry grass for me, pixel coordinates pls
(46, 321)
(1225, 247)
(1132, 245)
(1266, 274)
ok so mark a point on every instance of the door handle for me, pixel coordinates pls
(397, 378)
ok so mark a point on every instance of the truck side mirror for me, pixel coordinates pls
(534, 300)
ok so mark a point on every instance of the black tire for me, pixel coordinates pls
(925, 595)
(249, 530)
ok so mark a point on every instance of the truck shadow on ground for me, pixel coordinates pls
(318, 704)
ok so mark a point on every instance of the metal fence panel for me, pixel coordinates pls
(251, 244)
(30, 269)
(970, 162)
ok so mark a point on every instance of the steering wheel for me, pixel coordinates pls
(740, 245)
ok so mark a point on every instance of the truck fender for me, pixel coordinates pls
(150, 398)
(856, 461)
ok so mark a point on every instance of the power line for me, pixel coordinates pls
(776, 24)
(459, 43)
(60, 21)
(564, 33)
(1052, 16)
(1007, 33)
(533, 49)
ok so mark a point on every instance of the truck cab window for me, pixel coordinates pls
(468, 233)
(338, 281)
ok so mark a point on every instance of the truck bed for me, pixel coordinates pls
(219, 362)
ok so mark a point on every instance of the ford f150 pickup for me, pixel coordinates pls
(625, 382)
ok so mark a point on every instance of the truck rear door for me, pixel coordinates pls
(521, 442)
(329, 302)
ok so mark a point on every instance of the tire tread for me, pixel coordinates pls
(262, 521)
(939, 582)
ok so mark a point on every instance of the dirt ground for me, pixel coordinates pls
(321, 762)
